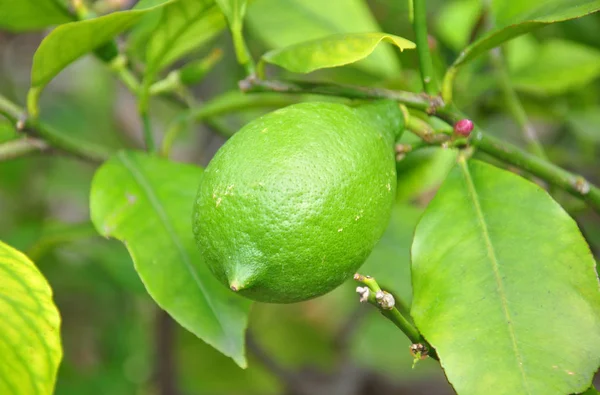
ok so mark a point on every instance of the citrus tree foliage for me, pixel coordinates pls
(474, 235)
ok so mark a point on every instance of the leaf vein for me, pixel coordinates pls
(472, 192)
(164, 219)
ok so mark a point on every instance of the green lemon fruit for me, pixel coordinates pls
(293, 204)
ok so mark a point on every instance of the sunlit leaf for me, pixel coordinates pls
(29, 329)
(505, 287)
(281, 24)
(146, 202)
(331, 51)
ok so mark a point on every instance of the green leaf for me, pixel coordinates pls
(281, 24)
(516, 17)
(331, 51)
(70, 41)
(504, 286)
(235, 10)
(557, 67)
(23, 15)
(146, 202)
(185, 26)
(29, 329)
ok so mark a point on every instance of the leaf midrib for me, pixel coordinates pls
(472, 193)
(164, 219)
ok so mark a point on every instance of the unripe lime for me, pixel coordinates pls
(293, 204)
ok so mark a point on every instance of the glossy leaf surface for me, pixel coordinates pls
(146, 202)
(331, 51)
(505, 286)
(281, 24)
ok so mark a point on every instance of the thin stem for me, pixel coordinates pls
(392, 313)
(515, 106)
(549, 172)
(119, 66)
(147, 128)
(22, 147)
(410, 99)
(422, 40)
(424, 130)
(241, 49)
(575, 184)
(62, 141)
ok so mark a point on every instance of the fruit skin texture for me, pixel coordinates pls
(292, 205)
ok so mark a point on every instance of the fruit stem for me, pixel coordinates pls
(385, 302)
(419, 101)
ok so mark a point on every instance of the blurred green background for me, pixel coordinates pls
(116, 340)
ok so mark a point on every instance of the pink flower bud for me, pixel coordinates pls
(463, 127)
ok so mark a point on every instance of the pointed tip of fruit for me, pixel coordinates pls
(235, 286)
(240, 277)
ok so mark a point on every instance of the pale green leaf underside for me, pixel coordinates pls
(331, 51)
(516, 17)
(505, 287)
(30, 347)
(146, 202)
(23, 15)
(281, 24)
